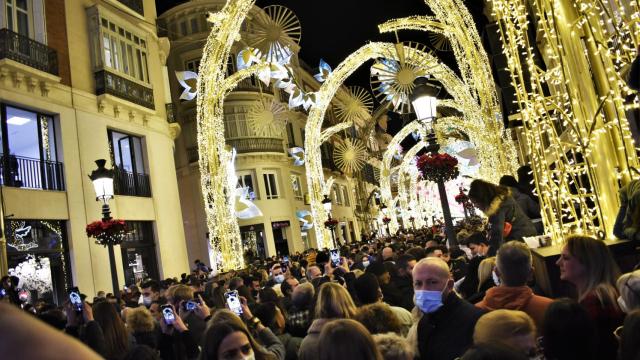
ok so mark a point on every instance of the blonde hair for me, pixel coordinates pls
(503, 326)
(140, 320)
(601, 270)
(484, 270)
(182, 292)
(334, 302)
(629, 288)
(393, 347)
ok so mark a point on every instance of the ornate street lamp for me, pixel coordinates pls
(102, 179)
(330, 223)
(424, 100)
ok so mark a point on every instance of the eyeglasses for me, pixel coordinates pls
(618, 332)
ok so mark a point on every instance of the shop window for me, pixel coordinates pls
(271, 185)
(139, 252)
(37, 254)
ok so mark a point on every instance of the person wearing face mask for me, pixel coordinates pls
(150, 292)
(629, 288)
(479, 246)
(445, 330)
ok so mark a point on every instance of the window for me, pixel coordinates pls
(345, 196)
(245, 179)
(290, 138)
(139, 252)
(127, 158)
(29, 142)
(122, 51)
(271, 185)
(296, 184)
(192, 65)
(337, 196)
(194, 25)
(19, 17)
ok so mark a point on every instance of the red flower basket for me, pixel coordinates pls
(438, 167)
(386, 220)
(109, 232)
(331, 224)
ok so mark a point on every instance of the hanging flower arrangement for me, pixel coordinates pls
(461, 198)
(331, 223)
(107, 232)
(438, 167)
(386, 220)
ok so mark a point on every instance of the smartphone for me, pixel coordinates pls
(284, 266)
(168, 314)
(285, 259)
(75, 299)
(3, 293)
(233, 302)
(335, 257)
(191, 305)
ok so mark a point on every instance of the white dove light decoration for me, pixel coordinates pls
(19, 235)
(324, 71)
(188, 92)
(305, 218)
(245, 208)
(298, 155)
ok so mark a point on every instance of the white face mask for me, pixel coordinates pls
(496, 279)
(365, 263)
(146, 300)
(279, 278)
(251, 356)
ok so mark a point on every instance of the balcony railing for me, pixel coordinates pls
(26, 51)
(108, 83)
(192, 154)
(253, 84)
(22, 172)
(128, 183)
(135, 5)
(252, 145)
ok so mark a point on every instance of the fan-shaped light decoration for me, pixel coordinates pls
(392, 77)
(267, 118)
(439, 41)
(277, 29)
(350, 155)
(357, 106)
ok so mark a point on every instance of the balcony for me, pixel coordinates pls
(252, 83)
(130, 184)
(108, 83)
(22, 172)
(135, 5)
(21, 49)
(254, 145)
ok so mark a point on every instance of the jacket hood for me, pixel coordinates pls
(496, 203)
(510, 298)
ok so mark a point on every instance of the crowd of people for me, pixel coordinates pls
(402, 297)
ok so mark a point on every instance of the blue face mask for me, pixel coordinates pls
(428, 301)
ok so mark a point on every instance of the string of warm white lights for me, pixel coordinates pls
(574, 123)
(215, 167)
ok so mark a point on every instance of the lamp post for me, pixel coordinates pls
(102, 179)
(424, 100)
(326, 203)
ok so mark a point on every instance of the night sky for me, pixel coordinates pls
(333, 29)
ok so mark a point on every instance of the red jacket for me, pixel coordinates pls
(516, 298)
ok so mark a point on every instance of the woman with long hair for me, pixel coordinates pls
(333, 302)
(230, 340)
(587, 264)
(506, 218)
(347, 339)
(116, 336)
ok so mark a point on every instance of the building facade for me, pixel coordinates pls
(263, 162)
(81, 81)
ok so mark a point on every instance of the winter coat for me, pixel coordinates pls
(505, 208)
(516, 298)
(448, 332)
(309, 348)
(627, 225)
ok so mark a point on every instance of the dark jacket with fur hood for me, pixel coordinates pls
(505, 208)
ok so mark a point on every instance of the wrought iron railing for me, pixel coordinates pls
(131, 184)
(27, 51)
(192, 154)
(251, 145)
(23, 172)
(108, 83)
(135, 5)
(252, 83)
